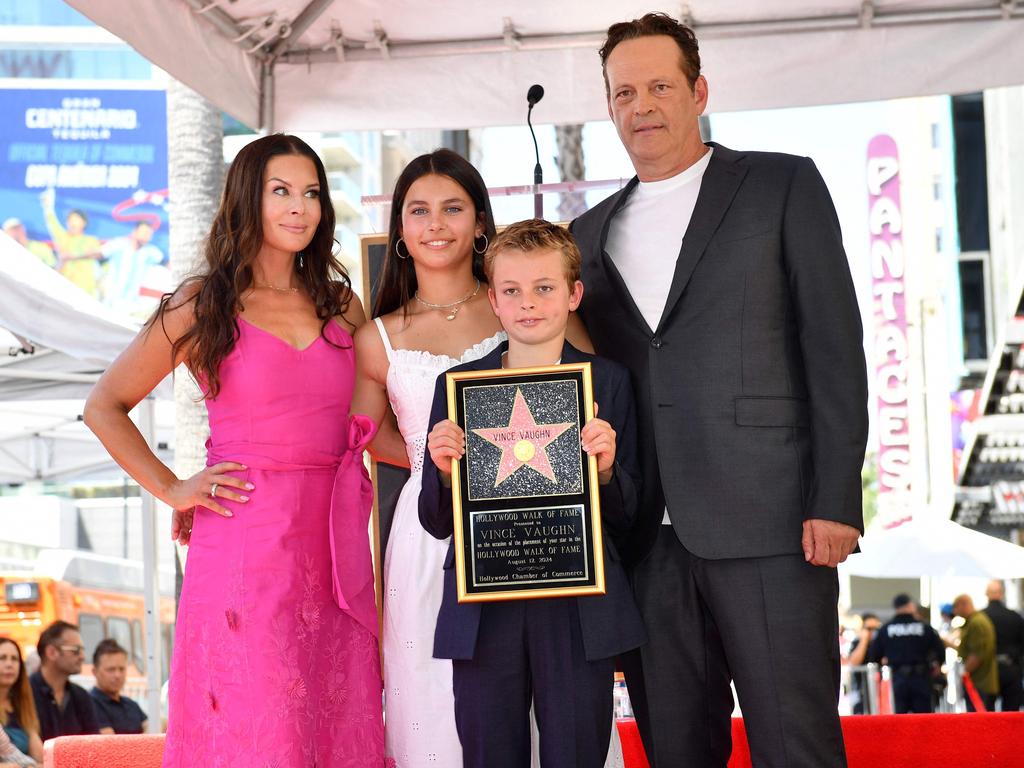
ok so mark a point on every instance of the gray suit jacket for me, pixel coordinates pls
(752, 390)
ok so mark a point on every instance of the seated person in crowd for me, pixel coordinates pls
(17, 709)
(114, 712)
(64, 709)
(11, 756)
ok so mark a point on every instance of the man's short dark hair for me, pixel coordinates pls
(649, 25)
(79, 213)
(52, 636)
(106, 647)
(901, 600)
(867, 615)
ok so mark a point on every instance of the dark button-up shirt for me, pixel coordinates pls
(910, 646)
(1009, 627)
(121, 714)
(75, 717)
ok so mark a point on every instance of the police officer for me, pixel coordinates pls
(1009, 627)
(912, 649)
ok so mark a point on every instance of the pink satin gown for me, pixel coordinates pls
(276, 660)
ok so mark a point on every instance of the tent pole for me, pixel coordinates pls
(267, 97)
(151, 583)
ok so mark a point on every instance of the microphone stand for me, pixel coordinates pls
(538, 172)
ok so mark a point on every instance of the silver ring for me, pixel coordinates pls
(213, 491)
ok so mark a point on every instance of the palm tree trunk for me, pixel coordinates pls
(571, 167)
(195, 171)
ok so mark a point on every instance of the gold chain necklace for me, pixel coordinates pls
(273, 287)
(454, 307)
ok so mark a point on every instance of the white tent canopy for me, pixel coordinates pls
(936, 548)
(331, 65)
(57, 340)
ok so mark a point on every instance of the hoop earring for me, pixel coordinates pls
(399, 253)
(483, 250)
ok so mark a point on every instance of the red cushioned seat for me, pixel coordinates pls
(142, 751)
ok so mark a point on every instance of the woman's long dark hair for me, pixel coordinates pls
(397, 282)
(231, 247)
(20, 695)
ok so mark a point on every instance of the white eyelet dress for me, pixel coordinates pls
(419, 729)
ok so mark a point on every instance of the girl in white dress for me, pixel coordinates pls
(431, 314)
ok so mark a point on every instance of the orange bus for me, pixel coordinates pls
(102, 595)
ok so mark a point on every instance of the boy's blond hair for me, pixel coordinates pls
(536, 235)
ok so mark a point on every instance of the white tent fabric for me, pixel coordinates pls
(41, 305)
(58, 340)
(936, 548)
(361, 64)
(46, 440)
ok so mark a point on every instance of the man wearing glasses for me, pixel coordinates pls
(65, 709)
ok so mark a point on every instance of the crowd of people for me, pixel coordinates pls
(728, 435)
(45, 703)
(989, 646)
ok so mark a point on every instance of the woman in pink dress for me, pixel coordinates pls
(276, 658)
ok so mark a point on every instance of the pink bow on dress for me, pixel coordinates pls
(351, 503)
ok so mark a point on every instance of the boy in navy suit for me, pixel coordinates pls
(556, 652)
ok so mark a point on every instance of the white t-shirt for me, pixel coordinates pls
(646, 233)
(645, 237)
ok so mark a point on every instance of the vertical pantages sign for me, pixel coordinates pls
(885, 225)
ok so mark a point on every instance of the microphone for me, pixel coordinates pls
(535, 94)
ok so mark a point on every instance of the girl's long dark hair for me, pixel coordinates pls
(397, 282)
(20, 695)
(231, 247)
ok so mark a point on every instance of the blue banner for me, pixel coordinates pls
(83, 185)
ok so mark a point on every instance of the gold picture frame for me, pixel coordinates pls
(533, 529)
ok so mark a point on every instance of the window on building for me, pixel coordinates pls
(90, 627)
(118, 629)
(138, 647)
(971, 175)
(41, 13)
(974, 323)
(70, 64)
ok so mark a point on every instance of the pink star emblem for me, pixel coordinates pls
(523, 441)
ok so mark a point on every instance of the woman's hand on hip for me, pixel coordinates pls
(203, 489)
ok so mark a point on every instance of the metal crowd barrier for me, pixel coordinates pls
(867, 689)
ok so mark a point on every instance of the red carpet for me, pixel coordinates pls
(991, 740)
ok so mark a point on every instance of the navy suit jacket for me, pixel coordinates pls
(610, 623)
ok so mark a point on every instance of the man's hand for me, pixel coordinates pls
(827, 542)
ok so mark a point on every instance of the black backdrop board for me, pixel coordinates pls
(387, 479)
(525, 495)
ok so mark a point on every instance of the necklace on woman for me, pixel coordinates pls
(272, 287)
(453, 308)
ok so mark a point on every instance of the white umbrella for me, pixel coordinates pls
(936, 548)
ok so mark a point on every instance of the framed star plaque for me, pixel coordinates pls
(525, 493)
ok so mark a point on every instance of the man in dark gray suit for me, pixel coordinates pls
(719, 279)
